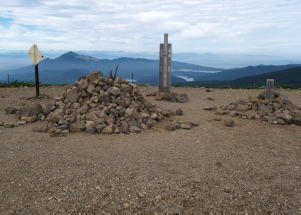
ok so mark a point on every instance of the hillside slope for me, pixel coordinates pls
(291, 77)
(232, 74)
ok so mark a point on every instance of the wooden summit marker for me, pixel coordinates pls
(165, 66)
(269, 89)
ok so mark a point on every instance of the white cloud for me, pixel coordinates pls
(138, 25)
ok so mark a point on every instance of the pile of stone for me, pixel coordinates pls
(276, 110)
(94, 104)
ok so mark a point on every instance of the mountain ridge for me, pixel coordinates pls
(288, 77)
(141, 67)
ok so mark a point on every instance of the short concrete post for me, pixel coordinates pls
(269, 89)
(165, 66)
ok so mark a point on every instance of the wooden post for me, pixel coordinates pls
(269, 89)
(132, 78)
(36, 67)
(165, 66)
(7, 79)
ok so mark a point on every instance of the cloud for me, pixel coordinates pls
(138, 25)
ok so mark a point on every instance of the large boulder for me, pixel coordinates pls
(32, 109)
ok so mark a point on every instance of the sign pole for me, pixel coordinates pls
(36, 56)
(36, 68)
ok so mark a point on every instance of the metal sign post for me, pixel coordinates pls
(36, 56)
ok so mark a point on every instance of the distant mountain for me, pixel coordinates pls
(16, 59)
(289, 77)
(231, 74)
(70, 66)
(234, 60)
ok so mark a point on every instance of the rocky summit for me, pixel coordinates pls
(277, 110)
(95, 104)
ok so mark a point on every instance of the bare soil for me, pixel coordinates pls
(250, 168)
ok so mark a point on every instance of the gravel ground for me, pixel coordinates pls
(250, 168)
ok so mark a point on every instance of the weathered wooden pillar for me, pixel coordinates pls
(165, 66)
(269, 89)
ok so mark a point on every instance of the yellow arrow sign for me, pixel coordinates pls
(35, 54)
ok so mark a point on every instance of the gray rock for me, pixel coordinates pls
(114, 91)
(109, 129)
(186, 125)
(280, 121)
(63, 127)
(126, 88)
(83, 109)
(48, 107)
(135, 129)
(124, 127)
(221, 112)
(286, 116)
(9, 125)
(129, 112)
(90, 124)
(179, 112)
(77, 127)
(94, 75)
(210, 108)
(233, 113)
(230, 107)
(56, 116)
(91, 88)
(170, 127)
(10, 110)
(91, 130)
(100, 127)
(29, 119)
(32, 109)
(242, 107)
(20, 123)
(72, 95)
(229, 122)
(297, 118)
(40, 127)
(83, 83)
(182, 98)
(251, 114)
(105, 97)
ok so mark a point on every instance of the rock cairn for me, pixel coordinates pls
(95, 104)
(277, 110)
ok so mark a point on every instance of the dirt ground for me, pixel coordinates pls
(251, 168)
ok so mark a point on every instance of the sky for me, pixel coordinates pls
(270, 27)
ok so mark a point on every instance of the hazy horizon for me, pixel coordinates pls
(269, 27)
